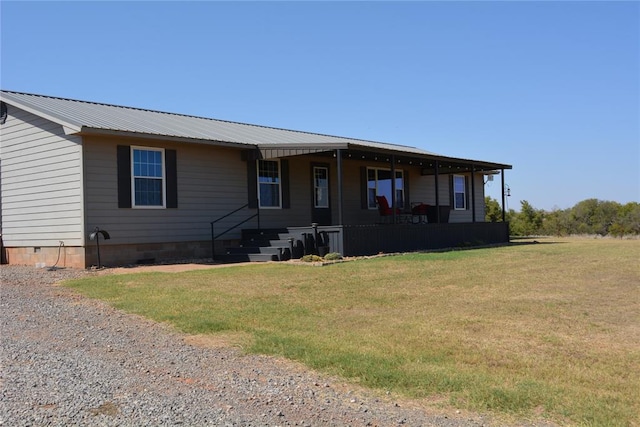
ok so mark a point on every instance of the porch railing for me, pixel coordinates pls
(372, 239)
(215, 236)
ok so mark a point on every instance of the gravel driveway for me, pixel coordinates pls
(68, 360)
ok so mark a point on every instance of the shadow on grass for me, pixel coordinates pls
(521, 241)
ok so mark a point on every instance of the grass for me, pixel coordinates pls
(547, 330)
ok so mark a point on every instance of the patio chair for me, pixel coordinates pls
(386, 213)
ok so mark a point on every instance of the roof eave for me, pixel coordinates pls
(89, 131)
(70, 128)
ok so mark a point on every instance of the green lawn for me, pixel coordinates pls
(530, 330)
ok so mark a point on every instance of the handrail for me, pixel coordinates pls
(230, 213)
(215, 236)
(235, 226)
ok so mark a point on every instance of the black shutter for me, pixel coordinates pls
(171, 170)
(364, 188)
(466, 193)
(124, 176)
(286, 195)
(452, 196)
(252, 182)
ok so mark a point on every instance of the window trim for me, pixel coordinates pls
(464, 193)
(279, 183)
(374, 206)
(315, 188)
(163, 178)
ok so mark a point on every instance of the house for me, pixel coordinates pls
(167, 186)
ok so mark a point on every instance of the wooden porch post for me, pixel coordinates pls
(437, 192)
(339, 167)
(393, 189)
(504, 216)
(473, 192)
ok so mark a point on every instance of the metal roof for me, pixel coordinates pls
(90, 117)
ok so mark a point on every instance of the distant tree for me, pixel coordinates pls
(582, 217)
(627, 220)
(493, 211)
(555, 223)
(605, 216)
(531, 218)
(590, 216)
(593, 216)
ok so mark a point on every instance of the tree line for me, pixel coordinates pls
(591, 216)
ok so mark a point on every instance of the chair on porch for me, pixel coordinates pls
(385, 211)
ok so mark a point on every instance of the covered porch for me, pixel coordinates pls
(352, 224)
(412, 176)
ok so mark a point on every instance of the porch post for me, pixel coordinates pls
(473, 192)
(393, 188)
(504, 216)
(339, 167)
(437, 192)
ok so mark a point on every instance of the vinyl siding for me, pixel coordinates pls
(299, 212)
(211, 183)
(41, 182)
(479, 198)
(467, 214)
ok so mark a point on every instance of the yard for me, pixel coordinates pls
(547, 329)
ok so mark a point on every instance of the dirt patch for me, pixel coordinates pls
(237, 340)
(167, 268)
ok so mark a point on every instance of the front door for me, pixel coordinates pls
(321, 206)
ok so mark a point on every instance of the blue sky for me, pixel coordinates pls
(552, 88)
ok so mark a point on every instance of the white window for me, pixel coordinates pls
(148, 181)
(269, 189)
(459, 192)
(379, 184)
(321, 187)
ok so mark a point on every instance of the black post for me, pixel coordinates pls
(473, 192)
(339, 166)
(393, 190)
(96, 235)
(258, 214)
(504, 218)
(98, 248)
(314, 225)
(437, 192)
(291, 240)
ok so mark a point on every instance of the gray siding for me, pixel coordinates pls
(467, 215)
(479, 198)
(299, 213)
(211, 182)
(41, 182)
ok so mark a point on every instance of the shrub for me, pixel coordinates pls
(332, 256)
(311, 258)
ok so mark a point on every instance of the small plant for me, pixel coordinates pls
(333, 256)
(311, 258)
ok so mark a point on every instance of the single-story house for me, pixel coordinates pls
(84, 183)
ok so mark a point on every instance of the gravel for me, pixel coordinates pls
(69, 360)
